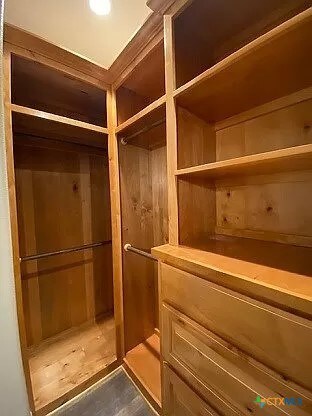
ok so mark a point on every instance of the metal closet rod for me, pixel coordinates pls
(124, 140)
(128, 247)
(67, 250)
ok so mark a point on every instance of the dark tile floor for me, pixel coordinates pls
(116, 396)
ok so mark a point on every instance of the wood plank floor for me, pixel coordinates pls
(144, 362)
(60, 365)
(116, 395)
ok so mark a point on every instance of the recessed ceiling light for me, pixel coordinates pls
(100, 7)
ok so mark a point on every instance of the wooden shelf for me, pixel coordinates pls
(269, 67)
(148, 126)
(139, 87)
(44, 88)
(69, 361)
(39, 123)
(289, 159)
(148, 115)
(278, 273)
(144, 362)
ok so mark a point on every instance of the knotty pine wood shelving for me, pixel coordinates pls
(52, 126)
(243, 170)
(143, 89)
(59, 170)
(39, 87)
(276, 161)
(271, 66)
(152, 115)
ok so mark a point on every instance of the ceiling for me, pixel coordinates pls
(72, 25)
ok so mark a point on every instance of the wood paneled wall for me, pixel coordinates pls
(144, 224)
(63, 201)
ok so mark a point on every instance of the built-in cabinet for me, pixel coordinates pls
(189, 173)
(235, 277)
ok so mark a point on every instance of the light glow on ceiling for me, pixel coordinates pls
(100, 7)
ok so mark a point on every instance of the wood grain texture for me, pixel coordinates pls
(144, 223)
(115, 198)
(275, 273)
(143, 361)
(7, 70)
(198, 49)
(64, 95)
(171, 124)
(71, 359)
(214, 97)
(180, 400)
(267, 334)
(224, 369)
(60, 283)
(144, 85)
(196, 140)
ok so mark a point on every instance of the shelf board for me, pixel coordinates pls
(282, 160)
(144, 362)
(274, 272)
(153, 113)
(39, 123)
(274, 65)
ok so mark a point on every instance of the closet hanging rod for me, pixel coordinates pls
(65, 251)
(124, 140)
(128, 247)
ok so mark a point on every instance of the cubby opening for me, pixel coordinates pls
(43, 88)
(63, 203)
(144, 85)
(207, 32)
(144, 206)
(243, 191)
(275, 137)
(244, 156)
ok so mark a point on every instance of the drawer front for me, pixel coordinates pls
(232, 381)
(180, 400)
(279, 340)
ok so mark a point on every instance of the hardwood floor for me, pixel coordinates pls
(144, 363)
(61, 364)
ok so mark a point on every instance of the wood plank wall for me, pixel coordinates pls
(144, 224)
(63, 201)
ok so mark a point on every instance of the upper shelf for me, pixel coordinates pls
(147, 128)
(28, 121)
(40, 87)
(143, 86)
(282, 160)
(274, 65)
(213, 33)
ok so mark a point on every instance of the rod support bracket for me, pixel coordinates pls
(127, 246)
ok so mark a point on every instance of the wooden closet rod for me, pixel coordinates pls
(67, 250)
(128, 247)
(124, 140)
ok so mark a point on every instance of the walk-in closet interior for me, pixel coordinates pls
(144, 212)
(161, 210)
(64, 226)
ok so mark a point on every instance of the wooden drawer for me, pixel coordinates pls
(277, 339)
(180, 400)
(227, 378)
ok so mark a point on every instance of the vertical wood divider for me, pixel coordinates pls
(171, 124)
(116, 221)
(13, 220)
